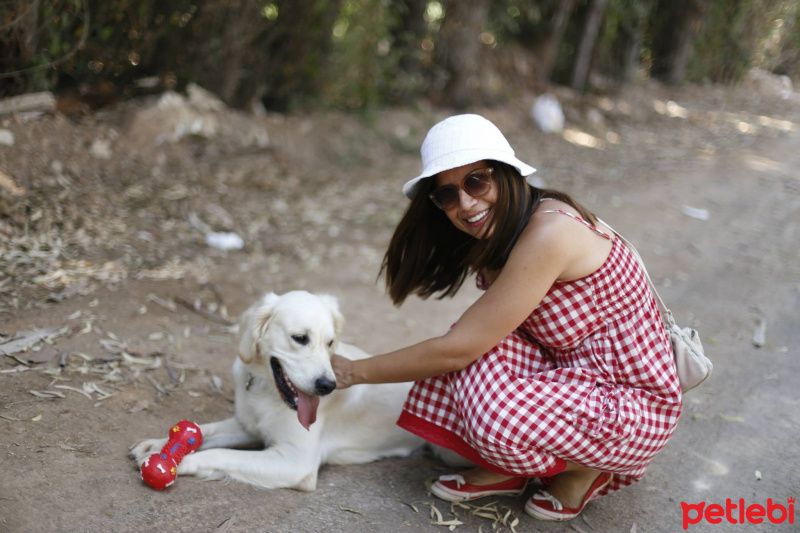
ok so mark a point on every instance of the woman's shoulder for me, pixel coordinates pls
(550, 233)
(552, 205)
(550, 208)
(557, 229)
(552, 219)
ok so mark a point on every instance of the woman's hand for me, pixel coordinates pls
(344, 371)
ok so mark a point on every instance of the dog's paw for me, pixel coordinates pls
(144, 449)
(199, 464)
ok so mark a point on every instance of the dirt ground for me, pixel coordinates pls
(103, 220)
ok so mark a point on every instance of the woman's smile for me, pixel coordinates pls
(478, 219)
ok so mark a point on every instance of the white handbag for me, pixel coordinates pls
(690, 360)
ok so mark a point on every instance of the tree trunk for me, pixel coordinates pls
(461, 46)
(549, 51)
(410, 31)
(789, 58)
(242, 56)
(686, 30)
(584, 58)
(632, 55)
(676, 25)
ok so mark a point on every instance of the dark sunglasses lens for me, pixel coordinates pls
(446, 196)
(476, 184)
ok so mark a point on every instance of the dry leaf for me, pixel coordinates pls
(166, 304)
(436, 513)
(45, 355)
(19, 342)
(47, 394)
(87, 328)
(451, 523)
(73, 389)
(413, 508)
(8, 183)
(151, 364)
(226, 525)
(141, 405)
(18, 368)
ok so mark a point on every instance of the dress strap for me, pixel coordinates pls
(582, 221)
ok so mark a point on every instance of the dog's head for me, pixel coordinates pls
(294, 334)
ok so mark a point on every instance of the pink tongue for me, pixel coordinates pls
(307, 408)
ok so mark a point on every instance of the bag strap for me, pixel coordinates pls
(638, 257)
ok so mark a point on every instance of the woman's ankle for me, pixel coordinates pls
(570, 487)
(480, 476)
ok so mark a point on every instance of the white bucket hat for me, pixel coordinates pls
(461, 140)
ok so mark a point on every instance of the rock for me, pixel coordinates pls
(101, 149)
(203, 100)
(224, 241)
(173, 118)
(547, 114)
(695, 212)
(595, 119)
(44, 101)
(6, 138)
(766, 82)
(759, 338)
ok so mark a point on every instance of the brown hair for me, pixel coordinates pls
(428, 255)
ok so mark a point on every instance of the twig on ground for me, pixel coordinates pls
(202, 312)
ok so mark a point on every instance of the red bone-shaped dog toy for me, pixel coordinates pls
(160, 470)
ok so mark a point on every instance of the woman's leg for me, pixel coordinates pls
(570, 486)
(480, 476)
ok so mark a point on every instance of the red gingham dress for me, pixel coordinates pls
(597, 386)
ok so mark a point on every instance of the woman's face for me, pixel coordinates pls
(471, 215)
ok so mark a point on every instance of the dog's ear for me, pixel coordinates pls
(252, 324)
(338, 318)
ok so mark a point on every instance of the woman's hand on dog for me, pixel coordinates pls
(343, 368)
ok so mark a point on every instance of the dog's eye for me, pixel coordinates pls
(330, 344)
(300, 339)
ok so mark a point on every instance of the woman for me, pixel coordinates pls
(561, 370)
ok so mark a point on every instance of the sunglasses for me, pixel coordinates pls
(476, 184)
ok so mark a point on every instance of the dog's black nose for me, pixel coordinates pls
(324, 386)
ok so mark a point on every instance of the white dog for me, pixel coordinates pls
(284, 380)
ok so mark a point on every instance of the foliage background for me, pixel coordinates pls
(363, 54)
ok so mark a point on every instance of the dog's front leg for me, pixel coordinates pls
(280, 466)
(228, 433)
(225, 433)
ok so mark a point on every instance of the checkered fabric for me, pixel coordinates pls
(597, 386)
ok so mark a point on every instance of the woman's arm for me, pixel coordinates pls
(548, 248)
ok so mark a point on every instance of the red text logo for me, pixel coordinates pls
(738, 513)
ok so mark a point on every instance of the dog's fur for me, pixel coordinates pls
(300, 331)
